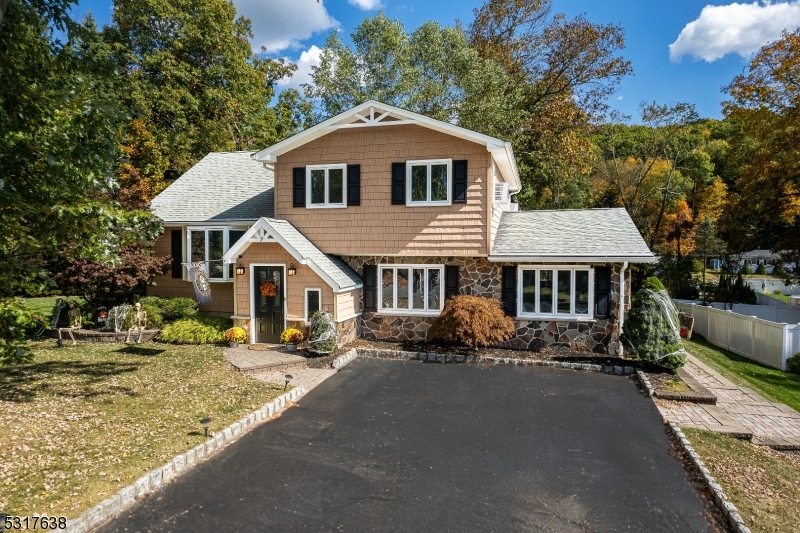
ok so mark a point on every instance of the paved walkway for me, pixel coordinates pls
(249, 361)
(739, 411)
(307, 377)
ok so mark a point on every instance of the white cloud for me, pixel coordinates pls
(308, 59)
(283, 24)
(366, 5)
(735, 28)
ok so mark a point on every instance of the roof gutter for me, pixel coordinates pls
(498, 258)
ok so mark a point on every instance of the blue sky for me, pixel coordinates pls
(681, 51)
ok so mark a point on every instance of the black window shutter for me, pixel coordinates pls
(370, 288)
(460, 182)
(353, 184)
(177, 253)
(602, 292)
(299, 186)
(451, 279)
(398, 184)
(509, 294)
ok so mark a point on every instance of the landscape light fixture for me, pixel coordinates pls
(292, 270)
(288, 379)
(205, 422)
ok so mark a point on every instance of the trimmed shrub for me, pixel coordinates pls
(322, 332)
(472, 321)
(777, 291)
(196, 330)
(761, 270)
(793, 364)
(650, 327)
(745, 271)
(172, 308)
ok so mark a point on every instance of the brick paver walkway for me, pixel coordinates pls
(308, 377)
(250, 361)
(739, 411)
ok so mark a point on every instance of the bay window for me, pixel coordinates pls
(557, 292)
(208, 245)
(411, 289)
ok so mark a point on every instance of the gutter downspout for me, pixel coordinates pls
(621, 304)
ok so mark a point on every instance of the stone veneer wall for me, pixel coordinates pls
(479, 277)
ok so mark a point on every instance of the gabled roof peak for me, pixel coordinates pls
(373, 113)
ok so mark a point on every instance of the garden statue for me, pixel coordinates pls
(139, 323)
(75, 322)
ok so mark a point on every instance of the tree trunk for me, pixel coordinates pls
(3, 6)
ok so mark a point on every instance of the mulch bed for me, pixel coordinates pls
(665, 381)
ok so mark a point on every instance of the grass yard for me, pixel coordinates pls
(782, 297)
(763, 483)
(44, 305)
(775, 385)
(80, 422)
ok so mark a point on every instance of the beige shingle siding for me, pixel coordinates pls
(376, 227)
(347, 303)
(168, 287)
(273, 253)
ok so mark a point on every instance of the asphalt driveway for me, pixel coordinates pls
(407, 446)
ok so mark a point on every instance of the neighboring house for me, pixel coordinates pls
(378, 215)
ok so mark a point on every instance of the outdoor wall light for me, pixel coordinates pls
(240, 268)
(292, 270)
(205, 422)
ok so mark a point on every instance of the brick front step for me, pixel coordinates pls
(249, 361)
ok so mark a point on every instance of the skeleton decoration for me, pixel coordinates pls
(75, 322)
(138, 324)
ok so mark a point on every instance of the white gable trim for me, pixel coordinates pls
(262, 231)
(373, 113)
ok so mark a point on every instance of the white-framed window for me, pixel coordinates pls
(326, 186)
(313, 303)
(559, 292)
(209, 244)
(411, 289)
(429, 182)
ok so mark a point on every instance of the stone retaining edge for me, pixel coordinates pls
(645, 382)
(341, 361)
(720, 498)
(112, 507)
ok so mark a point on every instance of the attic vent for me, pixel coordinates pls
(501, 193)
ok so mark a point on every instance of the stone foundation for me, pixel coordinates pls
(479, 277)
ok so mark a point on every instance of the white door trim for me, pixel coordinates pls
(253, 300)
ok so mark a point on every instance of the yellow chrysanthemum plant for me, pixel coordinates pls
(290, 335)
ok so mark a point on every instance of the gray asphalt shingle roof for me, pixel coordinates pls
(223, 186)
(570, 234)
(336, 269)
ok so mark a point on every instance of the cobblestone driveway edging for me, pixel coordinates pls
(127, 496)
(346, 358)
(728, 509)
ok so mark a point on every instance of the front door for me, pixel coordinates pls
(268, 294)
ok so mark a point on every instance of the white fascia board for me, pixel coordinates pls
(504, 159)
(270, 154)
(171, 223)
(572, 258)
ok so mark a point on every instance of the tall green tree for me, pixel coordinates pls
(60, 124)
(195, 86)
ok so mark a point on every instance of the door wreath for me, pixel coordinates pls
(268, 288)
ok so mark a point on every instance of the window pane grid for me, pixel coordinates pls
(557, 292)
(428, 182)
(411, 288)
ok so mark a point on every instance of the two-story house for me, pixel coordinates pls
(378, 215)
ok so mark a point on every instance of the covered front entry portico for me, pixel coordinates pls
(269, 302)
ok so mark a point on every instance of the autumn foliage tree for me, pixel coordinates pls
(472, 321)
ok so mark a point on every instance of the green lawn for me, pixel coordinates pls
(44, 306)
(762, 483)
(81, 422)
(775, 385)
(782, 297)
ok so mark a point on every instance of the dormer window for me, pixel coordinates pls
(429, 182)
(325, 186)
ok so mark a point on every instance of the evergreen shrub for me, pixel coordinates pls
(172, 308)
(761, 270)
(196, 330)
(472, 321)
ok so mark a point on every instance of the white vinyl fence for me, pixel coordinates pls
(769, 343)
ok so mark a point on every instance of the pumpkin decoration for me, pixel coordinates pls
(268, 288)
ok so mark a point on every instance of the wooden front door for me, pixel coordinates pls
(269, 309)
